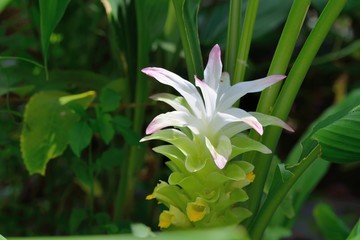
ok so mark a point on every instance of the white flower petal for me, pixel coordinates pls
(213, 68)
(238, 115)
(224, 84)
(228, 98)
(209, 95)
(175, 118)
(184, 87)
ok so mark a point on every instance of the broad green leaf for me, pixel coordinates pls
(50, 14)
(271, 15)
(186, 15)
(2, 238)
(45, 130)
(355, 232)
(3, 4)
(311, 177)
(340, 140)
(331, 227)
(80, 137)
(155, 13)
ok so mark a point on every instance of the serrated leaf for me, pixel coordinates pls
(44, 134)
(109, 100)
(330, 225)
(80, 137)
(105, 125)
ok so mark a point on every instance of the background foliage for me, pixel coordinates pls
(90, 54)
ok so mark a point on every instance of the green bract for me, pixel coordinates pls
(205, 188)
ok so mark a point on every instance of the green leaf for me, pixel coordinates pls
(355, 232)
(109, 100)
(330, 225)
(2, 238)
(80, 137)
(50, 14)
(186, 15)
(123, 126)
(45, 130)
(242, 143)
(111, 158)
(340, 140)
(3, 5)
(105, 124)
(77, 216)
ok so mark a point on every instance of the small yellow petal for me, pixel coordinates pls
(150, 196)
(165, 219)
(197, 210)
(250, 176)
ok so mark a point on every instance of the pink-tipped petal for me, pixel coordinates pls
(175, 118)
(240, 89)
(254, 123)
(232, 115)
(266, 120)
(184, 87)
(213, 68)
(220, 160)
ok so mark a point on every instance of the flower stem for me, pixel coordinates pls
(271, 204)
(278, 65)
(288, 93)
(124, 196)
(245, 41)
(233, 35)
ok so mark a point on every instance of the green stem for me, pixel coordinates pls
(245, 41)
(91, 173)
(233, 35)
(288, 93)
(186, 15)
(124, 197)
(278, 65)
(271, 204)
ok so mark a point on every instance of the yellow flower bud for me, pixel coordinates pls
(197, 210)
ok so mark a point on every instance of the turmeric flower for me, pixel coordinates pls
(211, 115)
